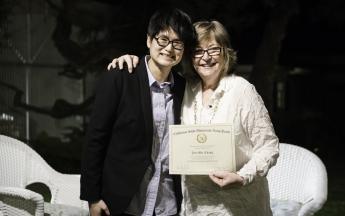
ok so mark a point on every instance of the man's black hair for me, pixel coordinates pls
(175, 19)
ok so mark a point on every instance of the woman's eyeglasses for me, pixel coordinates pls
(213, 51)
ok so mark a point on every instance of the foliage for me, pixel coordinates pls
(5, 11)
(89, 33)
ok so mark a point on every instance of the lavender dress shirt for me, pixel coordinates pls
(156, 193)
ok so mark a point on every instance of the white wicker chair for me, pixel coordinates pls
(20, 166)
(300, 176)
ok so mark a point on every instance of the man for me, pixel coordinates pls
(125, 161)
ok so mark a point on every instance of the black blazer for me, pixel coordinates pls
(120, 134)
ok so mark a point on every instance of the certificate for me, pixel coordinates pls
(201, 149)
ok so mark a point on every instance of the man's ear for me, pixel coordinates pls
(148, 41)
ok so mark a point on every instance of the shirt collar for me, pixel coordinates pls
(225, 85)
(152, 80)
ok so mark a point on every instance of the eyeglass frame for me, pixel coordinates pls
(206, 50)
(169, 41)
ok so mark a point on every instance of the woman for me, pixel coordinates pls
(214, 95)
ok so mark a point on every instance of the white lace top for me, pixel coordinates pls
(234, 101)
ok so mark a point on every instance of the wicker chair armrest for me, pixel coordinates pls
(317, 187)
(19, 201)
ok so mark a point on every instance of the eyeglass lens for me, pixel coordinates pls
(163, 41)
(214, 51)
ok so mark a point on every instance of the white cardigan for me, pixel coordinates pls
(257, 148)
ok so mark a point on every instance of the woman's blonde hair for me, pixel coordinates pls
(206, 30)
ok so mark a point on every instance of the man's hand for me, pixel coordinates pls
(130, 60)
(224, 178)
(97, 208)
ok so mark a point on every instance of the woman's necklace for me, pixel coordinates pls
(214, 107)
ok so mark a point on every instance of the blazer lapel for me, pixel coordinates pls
(146, 103)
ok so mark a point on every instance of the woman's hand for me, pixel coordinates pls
(225, 178)
(130, 60)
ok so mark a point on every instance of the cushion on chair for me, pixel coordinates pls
(285, 207)
(65, 210)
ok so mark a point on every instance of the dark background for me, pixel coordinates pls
(293, 51)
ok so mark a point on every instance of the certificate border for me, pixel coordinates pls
(173, 170)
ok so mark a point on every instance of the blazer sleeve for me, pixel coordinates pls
(259, 129)
(98, 135)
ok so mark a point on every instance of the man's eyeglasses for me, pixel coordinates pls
(163, 42)
(214, 51)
